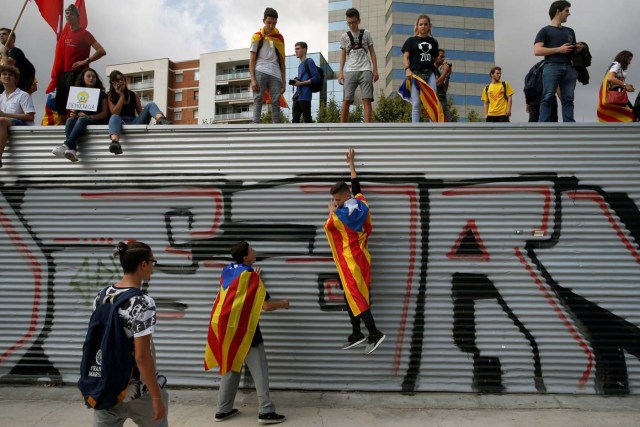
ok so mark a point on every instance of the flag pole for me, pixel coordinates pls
(24, 6)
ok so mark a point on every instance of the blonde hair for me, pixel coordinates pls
(415, 29)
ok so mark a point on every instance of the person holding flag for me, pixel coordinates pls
(615, 80)
(420, 53)
(234, 336)
(267, 67)
(73, 55)
(348, 229)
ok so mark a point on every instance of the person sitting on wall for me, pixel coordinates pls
(76, 126)
(125, 107)
(16, 106)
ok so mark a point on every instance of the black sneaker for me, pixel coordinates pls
(353, 341)
(223, 416)
(271, 418)
(373, 342)
(163, 121)
(115, 148)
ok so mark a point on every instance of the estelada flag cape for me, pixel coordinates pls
(348, 230)
(611, 113)
(234, 318)
(428, 98)
(278, 42)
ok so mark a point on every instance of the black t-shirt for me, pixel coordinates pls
(422, 52)
(128, 108)
(552, 37)
(257, 337)
(103, 95)
(27, 70)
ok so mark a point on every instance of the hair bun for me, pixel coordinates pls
(120, 248)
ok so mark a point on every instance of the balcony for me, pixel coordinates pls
(147, 84)
(246, 115)
(242, 96)
(233, 76)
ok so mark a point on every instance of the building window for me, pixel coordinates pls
(177, 96)
(196, 75)
(195, 114)
(196, 94)
(178, 77)
(177, 115)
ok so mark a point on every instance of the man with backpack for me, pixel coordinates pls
(118, 376)
(308, 79)
(497, 97)
(356, 69)
(533, 94)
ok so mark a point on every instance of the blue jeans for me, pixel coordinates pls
(75, 128)
(18, 122)
(115, 122)
(416, 103)
(554, 76)
(275, 85)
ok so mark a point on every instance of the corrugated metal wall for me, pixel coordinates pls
(505, 258)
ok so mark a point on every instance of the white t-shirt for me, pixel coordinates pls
(19, 102)
(616, 68)
(357, 59)
(267, 59)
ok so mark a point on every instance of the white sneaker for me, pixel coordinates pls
(71, 155)
(60, 150)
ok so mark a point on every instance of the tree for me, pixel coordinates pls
(392, 109)
(454, 116)
(474, 116)
(330, 113)
(267, 118)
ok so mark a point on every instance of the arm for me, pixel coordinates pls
(147, 367)
(407, 64)
(283, 72)
(444, 76)
(509, 102)
(99, 53)
(252, 71)
(540, 50)
(486, 109)
(374, 63)
(343, 59)
(355, 182)
(116, 108)
(273, 305)
(25, 117)
(103, 114)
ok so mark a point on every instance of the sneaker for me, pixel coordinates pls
(71, 155)
(60, 150)
(163, 121)
(271, 418)
(115, 148)
(223, 416)
(373, 342)
(353, 341)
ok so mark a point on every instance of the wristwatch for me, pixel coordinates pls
(88, 60)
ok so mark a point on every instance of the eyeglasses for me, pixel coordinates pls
(154, 261)
(118, 79)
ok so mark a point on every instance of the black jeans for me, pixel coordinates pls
(67, 80)
(301, 108)
(499, 119)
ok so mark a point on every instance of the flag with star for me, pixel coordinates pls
(234, 318)
(348, 230)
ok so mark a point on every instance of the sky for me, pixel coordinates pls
(180, 30)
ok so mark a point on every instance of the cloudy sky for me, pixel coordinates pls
(179, 30)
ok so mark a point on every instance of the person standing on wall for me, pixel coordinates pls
(443, 74)
(497, 97)
(266, 66)
(358, 66)
(348, 229)
(307, 75)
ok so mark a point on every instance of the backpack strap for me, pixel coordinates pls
(360, 35)
(306, 68)
(504, 90)
(351, 40)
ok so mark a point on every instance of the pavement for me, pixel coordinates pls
(26, 406)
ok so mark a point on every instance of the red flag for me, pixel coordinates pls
(52, 12)
(57, 59)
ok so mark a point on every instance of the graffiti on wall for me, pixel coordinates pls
(497, 276)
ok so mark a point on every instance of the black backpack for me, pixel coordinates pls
(357, 45)
(533, 83)
(107, 354)
(315, 87)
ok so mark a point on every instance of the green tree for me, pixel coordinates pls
(454, 116)
(266, 118)
(391, 109)
(474, 116)
(329, 112)
(356, 114)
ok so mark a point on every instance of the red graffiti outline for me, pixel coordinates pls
(599, 200)
(501, 189)
(412, 193)
(36, 269)
(563, 318)
(470, 225)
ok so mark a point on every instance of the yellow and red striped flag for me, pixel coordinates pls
(234, 318)
(428, 98)
(278, 42)
(348, 230)
(611, 113)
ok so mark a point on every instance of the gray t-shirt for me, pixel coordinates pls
(267, 59)
(357, 59)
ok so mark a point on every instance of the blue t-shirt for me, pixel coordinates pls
(551, 37)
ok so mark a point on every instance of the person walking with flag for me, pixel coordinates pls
(348, 229)
(234, 336)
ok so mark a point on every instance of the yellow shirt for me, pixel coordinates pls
(498, 105)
